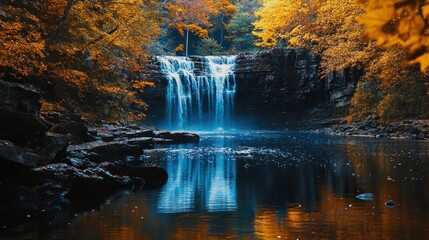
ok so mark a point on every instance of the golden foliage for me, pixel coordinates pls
(87, 49)
(403, 22)
(190, 15)
(332, 29)
(328, 27)
(21, 43)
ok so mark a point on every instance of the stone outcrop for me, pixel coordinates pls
(282, 87)
(374, 127)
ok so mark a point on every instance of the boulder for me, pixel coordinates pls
(21, 98)
(11, 154)
(78, 131)
(19, 108)
(95, 182)
(108, 150)
(14, 125)
(177, 137)
(50, 145)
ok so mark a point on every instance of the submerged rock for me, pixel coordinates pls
(365, 196)
(389, 204)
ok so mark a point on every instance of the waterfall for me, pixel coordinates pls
(203, 101)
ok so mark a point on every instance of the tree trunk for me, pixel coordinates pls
(221, 30)
(187, 41)
(64, 18)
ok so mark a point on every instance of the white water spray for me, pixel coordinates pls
(199, 102)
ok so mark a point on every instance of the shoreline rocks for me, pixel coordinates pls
(374, 127)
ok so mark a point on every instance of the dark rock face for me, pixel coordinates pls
(275, 88)
(10, 153)
(50, 145)
(282, 87)
(19, 98)
(19, 108)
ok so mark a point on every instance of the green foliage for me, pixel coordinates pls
(241, 26)
(208, 46)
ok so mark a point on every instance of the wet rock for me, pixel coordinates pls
(162, 141)
(365, 196)
(178, 137)
(94, 182)
(389, 204)
(80, 163)
(113, 132)
(372, 126)
(110, 150)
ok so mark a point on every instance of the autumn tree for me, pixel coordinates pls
(91, 53)
(331, 28)
(190, 16)
(22, 42)
(391, 89)
(403, 22)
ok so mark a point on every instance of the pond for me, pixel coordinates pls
(269, 185)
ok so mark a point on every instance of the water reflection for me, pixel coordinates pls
(271, 186)
(199, 182)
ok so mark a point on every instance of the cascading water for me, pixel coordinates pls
(204, 101)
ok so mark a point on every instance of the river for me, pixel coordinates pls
(268, 185)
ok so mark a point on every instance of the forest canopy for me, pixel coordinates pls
(95, 53)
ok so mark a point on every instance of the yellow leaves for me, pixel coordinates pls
(198, 30)
(400, 22)
(280, 19)
(142, 84)
(21, 44)
(180, 48)
(192, 15)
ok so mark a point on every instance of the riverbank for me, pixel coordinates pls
(374, 127)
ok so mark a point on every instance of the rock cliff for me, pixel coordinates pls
(284, 86)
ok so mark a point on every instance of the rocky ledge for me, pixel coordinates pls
(52, 160)
(374, 127)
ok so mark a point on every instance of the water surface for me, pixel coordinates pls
(270, 185)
